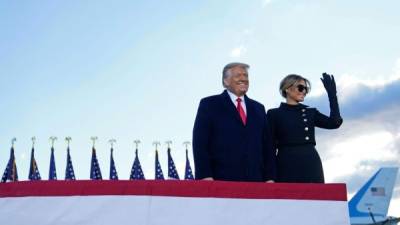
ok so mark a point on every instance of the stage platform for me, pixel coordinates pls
(171, 202)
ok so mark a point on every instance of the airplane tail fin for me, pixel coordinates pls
(373, 199)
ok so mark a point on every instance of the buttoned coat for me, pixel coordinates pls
(226, 149)
(292, 129)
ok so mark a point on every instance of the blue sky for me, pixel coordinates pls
(137, 70)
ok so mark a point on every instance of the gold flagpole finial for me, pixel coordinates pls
(156, 143)
(68, 140)
(137, 142)
(186, 144)
(13, 140)
(33, 141)
(168, 143)
(94, 139)
(52, 140)
(112, 141)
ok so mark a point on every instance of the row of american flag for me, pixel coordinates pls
(11, 174)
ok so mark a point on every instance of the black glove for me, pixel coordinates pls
(329, 84)
(330, 87)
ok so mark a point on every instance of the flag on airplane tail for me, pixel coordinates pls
(158, 171)
(69, 170)
(95, 172)
(378, 191)
(113, 170)
(188, 169)
(136, 171)
(172, 172)
(10, 173)
(52, 169)
(33, 168)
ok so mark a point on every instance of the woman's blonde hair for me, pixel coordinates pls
(291, 80)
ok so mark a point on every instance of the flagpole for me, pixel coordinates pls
(13, 140)
(186, 143)
(69, 171)
(52, 140)
(136, 171)
(34, 170)
(14, 166)
(188, 169)
(33, 141)
(113, 170)
(158, 170)
(52, 167)
(156, 143)
(94, 139)
(111, 141)
(68, 140)
(168, 143)
(137, 142)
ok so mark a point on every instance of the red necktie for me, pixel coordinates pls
(241, 111)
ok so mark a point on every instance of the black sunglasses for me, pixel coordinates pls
(301, 88)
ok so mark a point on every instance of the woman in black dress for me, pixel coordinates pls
(293, 130)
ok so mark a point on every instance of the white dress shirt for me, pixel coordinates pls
(234, 97)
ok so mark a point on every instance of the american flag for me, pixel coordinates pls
(33, 169)
(172, 173)
(52, 170)
(113, 170)
(159, 174)
(188, 169)
(95, 172)
(69, 171)
(378, 191)
(136, 171)
(10, 173)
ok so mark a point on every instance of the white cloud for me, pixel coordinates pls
(238, 51)
(352, 152)
(349, 85)
(361, 145)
